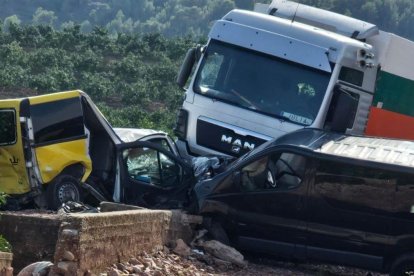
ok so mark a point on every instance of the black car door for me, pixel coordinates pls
(268, 203)
(151, 176)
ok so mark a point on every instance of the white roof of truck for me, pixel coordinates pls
(397, 152)
(295, 41)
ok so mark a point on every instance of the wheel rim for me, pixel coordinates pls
(67, 191)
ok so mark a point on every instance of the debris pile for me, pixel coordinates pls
(202, 258)
(180, 261)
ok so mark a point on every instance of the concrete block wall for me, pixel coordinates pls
(32, 236)
(93, 241)
(99, 240)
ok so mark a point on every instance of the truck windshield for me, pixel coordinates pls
(262, 83)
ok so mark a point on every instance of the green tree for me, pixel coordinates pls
(10, 20)
(44, 17)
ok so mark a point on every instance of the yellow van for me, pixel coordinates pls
(44, 146)
(59, 147)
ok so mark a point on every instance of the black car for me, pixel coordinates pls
(314, 195)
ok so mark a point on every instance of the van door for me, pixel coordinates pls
(268, 204)
(13, 174)
(151, 176)
(59, 136)
(350, 213)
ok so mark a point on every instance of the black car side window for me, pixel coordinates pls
(275, 171)
(355, 186)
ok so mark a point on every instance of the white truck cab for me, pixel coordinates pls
(262, 75)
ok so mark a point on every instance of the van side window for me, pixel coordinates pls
(356, 187)
(7, 127)
(57, 120)
(275, 171)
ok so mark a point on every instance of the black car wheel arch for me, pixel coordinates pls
(403, 266)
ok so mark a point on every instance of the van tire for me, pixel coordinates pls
(64, 188)
(403, 265)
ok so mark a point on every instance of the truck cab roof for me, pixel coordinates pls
(319, 37)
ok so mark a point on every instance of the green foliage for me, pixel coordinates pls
(131, 77)
(5, 245)
(3, 196)
(12, 19)
(183, 17)
(396, 16)
(43, 17)
(171, 18)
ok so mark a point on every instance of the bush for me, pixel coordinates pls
(4, 244)
(3, 198)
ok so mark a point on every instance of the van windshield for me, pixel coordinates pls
(263, 83)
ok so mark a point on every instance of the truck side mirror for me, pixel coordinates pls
(190, 59)
(343, 110)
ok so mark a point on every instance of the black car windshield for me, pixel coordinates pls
(262, 83)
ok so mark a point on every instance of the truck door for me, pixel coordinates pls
(350, 213)
(13, 174)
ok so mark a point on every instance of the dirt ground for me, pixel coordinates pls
(165, 263)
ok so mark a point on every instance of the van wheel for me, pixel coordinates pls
(403, 266)
(64, 188)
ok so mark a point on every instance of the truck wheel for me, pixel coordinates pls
(403, 265)
(64, 188)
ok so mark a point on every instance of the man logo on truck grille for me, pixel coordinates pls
(237, 144)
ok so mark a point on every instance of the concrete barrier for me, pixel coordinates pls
(98, 240)
(78, 243)
(33, 237)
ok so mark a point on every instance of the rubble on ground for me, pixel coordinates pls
(169, 263)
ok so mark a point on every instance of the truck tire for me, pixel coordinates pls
(64, 188)
(403, 265)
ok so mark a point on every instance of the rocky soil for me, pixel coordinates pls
(186, 261)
